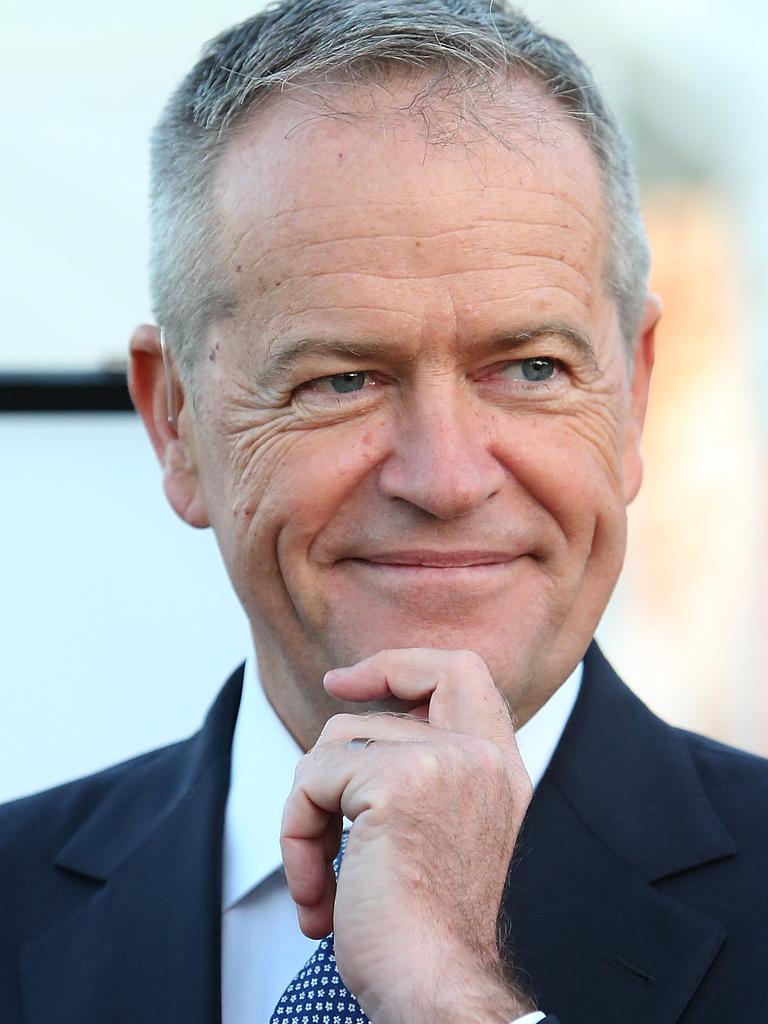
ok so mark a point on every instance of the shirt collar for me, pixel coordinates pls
(264, 756)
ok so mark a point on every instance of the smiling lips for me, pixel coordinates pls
(438, 559)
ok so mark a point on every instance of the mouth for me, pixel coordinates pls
(438, 584)
(436, 559)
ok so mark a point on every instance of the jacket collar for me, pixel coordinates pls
(620, 807)
(153, 843)
(653, 811)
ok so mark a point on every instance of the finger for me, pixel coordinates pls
(316, 921)
(408, 673)
(330, 782)
(311, 823)
(456, 685)
(374, 726)
(308, 853)
(326, 786)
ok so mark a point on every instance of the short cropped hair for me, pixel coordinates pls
(297, 42)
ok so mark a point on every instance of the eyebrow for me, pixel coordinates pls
(283, 355)
(576, 340)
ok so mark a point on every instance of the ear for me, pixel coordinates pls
(154, 387)
(643, 356)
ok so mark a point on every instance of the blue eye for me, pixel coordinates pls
(535, 370)
(343, 383)
(339, 383)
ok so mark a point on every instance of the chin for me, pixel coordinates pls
(499, 649)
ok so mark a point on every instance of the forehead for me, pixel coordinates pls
(370, 182)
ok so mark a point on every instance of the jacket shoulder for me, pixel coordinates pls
(34, 827)
(139, 790)
(736, 782)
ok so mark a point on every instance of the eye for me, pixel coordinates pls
(339, 383)
(532, 371)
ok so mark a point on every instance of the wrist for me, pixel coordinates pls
(457, 996)
(491, 1003)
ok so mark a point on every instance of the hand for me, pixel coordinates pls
(436, 804)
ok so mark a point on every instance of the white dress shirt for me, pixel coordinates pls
(262, 946)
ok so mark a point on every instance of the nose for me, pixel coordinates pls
(442, 460)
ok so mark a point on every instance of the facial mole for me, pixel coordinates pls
(238, 268)
(277, 283)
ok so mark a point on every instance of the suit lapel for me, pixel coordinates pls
(620, 808)
(145, 944)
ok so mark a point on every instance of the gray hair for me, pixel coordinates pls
(316, 41)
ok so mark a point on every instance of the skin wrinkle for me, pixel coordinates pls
(408, 240)
(282, 329)
(436, 235)
(283, 324)
(376, 351)
(341, 414)
(445, 276)
(245, 443)
(437, 277)
(246, 238)
(437, 200)
(268, 257)
(274, 254)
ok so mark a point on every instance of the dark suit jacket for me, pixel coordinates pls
(638, 893)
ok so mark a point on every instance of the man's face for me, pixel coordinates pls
(417, 428)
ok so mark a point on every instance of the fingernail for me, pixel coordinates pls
(338, 671)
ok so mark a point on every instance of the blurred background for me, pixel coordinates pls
(117, 625)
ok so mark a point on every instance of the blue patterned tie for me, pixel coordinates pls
(317, 994)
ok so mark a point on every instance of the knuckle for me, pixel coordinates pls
(420, 765)
(425, 759)
(301, 770)
(488, 758)
(340, 727)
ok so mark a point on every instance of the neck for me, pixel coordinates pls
(299, 698)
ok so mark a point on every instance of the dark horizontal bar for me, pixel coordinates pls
(104, 391)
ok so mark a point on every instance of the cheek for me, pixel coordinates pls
(572, 467)
(327, 472)
(283, 493)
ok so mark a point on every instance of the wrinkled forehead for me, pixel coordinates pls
(321, 183)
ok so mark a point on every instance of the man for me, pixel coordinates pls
(401, 369)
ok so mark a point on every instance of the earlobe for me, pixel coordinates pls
(159, 399)
(643, 359)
